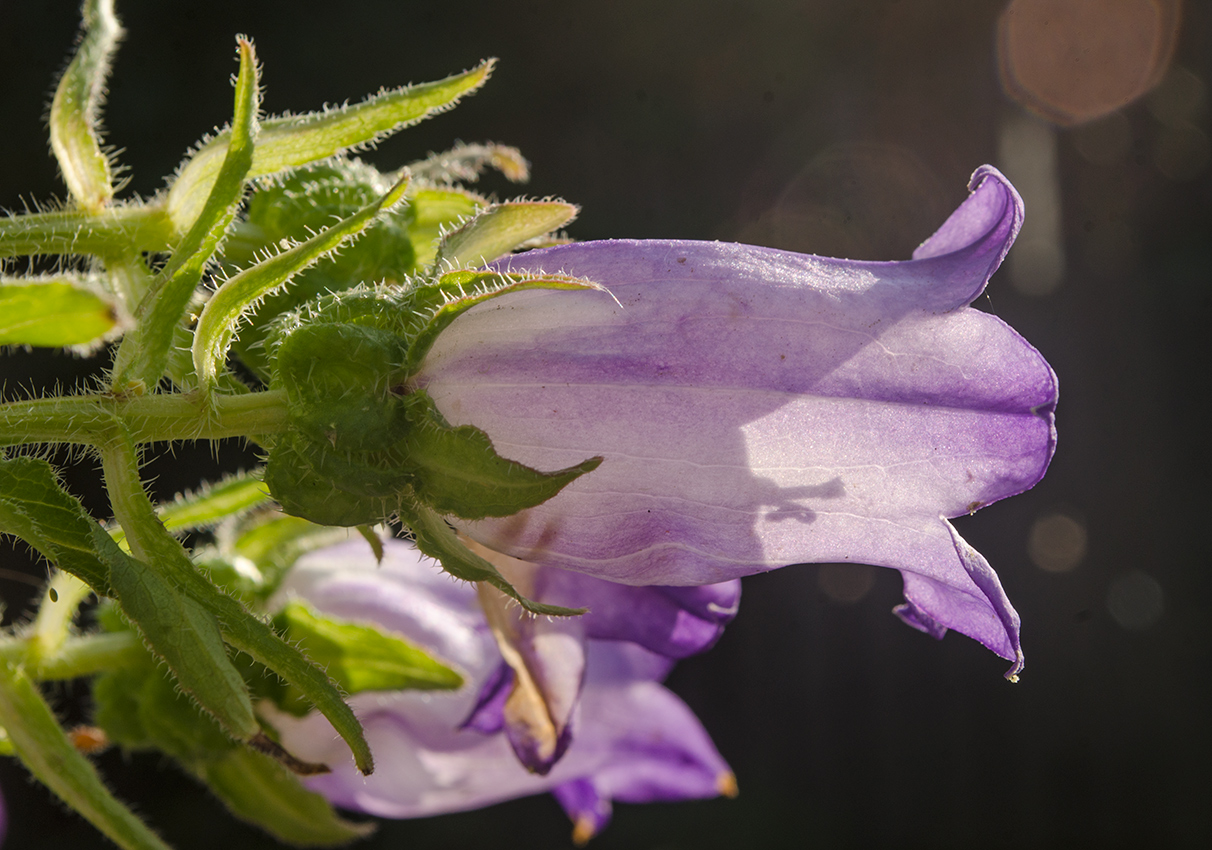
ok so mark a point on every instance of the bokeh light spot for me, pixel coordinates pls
(1072, 61)
(1136, 601)
(845, 583)
(1057, 543)
(864, 200)
(1178, 99)
(1105, 141)
(1182, 152)
(1026, 152)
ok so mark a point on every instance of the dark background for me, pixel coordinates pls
(839, 127)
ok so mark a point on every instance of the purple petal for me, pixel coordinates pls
(588, 810)
(488, 715)
(758, 408)
(547, 655)
(674, 621)
(656, 749)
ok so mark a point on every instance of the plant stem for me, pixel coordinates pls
(76, 656)
(53, 624)
(89, 419)
(141, 227)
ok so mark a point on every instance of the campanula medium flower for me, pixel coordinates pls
(757, 408)
(623, 735)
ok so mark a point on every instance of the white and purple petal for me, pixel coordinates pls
(758, 408)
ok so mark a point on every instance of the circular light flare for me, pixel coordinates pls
(845, 584)
(1072, 61)
(1136, 601)
(1057, 543)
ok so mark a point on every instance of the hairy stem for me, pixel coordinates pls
(75, 656)
(52, 626)
(90, 419)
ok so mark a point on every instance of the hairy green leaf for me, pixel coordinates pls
(73, 112)
(184, 635)
(292, 141)
(46, 751)
(260, 791)
(36, 508)
(209, 505)
(144, 354)
(112, 230)
(54, 312)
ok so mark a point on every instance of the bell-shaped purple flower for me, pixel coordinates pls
(624, 735)
(757, 408)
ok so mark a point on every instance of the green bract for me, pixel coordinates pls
(329, 281)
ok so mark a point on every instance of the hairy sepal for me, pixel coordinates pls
(341, 384)
(439, 541)
(223, 313)
(457, 472)
(499, 229)
(399, 245)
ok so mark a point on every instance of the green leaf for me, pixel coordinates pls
(185, 635)
(292, 141)
(260, 791)
(438, 540)
(73, 112)
(36, 508)
(223, 312)
(204, 508)
(140, 707)
(499, 229)
(144, 354)
(55, 311)
(152, 543)
(46, 751)
(361, 657)
(457, 292)
(273, 542)
(457, 471)
(209, 505)
(117, 700)
(248, 634)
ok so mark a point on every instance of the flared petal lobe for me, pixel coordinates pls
(758, 408)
